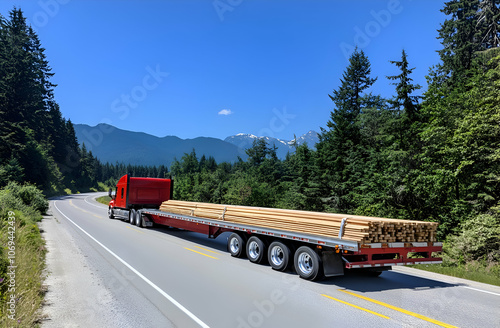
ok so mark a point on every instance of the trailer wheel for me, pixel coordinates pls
(131, 216)
(111, 215)
(279, 256)
(256, 250)
(308, 263)
(236, 245)
(138, 219)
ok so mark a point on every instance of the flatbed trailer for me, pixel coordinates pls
(312, 256)
(333, 255)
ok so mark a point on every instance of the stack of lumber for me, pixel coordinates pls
(362, 229)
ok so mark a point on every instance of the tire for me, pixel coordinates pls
(236, 245)
(131, 216)
(308, 264)
(111, 215)
(256, 250)
(279, 256)
(138, 219)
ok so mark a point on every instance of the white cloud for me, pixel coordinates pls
(225, 112)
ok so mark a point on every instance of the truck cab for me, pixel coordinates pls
(133, 194)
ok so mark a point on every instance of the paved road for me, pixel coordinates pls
(109, 273)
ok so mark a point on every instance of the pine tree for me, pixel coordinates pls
(404, 129)
(460, 37)
(339, 150)
(489, 23)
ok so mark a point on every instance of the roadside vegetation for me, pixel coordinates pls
(104, 200)
(22, 256)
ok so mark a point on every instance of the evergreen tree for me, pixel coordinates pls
(460, 37)
(489, 23)
(339, 149)
(405, 146)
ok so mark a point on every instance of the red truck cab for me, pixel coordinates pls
(133, 193)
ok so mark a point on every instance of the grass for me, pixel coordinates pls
(104, 200)
(28, 249)
(472, 271)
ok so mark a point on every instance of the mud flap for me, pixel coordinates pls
(332, 264)
(146, 221)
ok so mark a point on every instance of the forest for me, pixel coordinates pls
(431, 156)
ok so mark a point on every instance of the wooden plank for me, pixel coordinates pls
(358, 228)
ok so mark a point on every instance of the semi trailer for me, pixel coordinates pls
(312, 254)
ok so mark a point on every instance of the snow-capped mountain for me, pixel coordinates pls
(245, 141)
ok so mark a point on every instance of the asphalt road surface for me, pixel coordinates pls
(108, 273)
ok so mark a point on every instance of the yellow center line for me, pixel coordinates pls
(81, 209)
(205, 249)
(192, 250)
(413, 314)
(355, 306)
(134, 229)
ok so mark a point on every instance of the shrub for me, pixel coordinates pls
(30, 195)
(479, 239)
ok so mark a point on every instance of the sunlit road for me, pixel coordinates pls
(162, 277)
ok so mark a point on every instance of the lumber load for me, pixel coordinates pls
(362, 229)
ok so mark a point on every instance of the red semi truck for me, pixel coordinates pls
(313, 256)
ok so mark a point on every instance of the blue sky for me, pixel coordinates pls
(220, 67)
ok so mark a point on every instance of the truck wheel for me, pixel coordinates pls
(256, 250)
(308, 263)
(279, 256)
(138, 219)
(131, 216)
(110, 213)
(236, 245)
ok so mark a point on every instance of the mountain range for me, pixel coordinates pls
(110, 144)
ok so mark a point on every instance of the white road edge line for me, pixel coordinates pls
(481, 290)
(86, 201)
(149, 282)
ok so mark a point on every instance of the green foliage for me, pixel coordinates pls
(30, 196)
(29, 253)
(11, 171)
(478, 239)
(104, 200)
(340, 152)
(37, 145)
